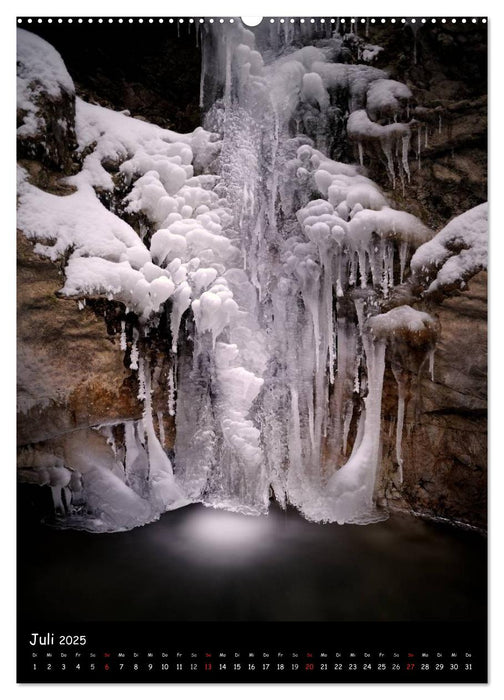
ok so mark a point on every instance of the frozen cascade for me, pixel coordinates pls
(302, 255)
(268, 272)
(164, 491)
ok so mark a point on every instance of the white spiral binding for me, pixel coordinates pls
(271, 20)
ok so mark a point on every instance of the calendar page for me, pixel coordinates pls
(252, 349)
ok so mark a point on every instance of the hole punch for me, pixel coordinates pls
(251, 21)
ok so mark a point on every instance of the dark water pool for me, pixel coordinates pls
(201, 564)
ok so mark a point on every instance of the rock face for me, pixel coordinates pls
(71, 376)
(75, 393)
(446, 69)
(152, 70)
(444, 443)
(71, 372)
(444, 446)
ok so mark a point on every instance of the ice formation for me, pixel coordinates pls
(456, 253)
(273, 260)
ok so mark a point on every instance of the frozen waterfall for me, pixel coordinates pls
(277, 265)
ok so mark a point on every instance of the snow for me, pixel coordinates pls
(456, 253)
(78, 221)
(391, 138)
(370, 52)
(352, 78)
(107, 257)
(386, 98)
(40, 70)
(313, 90)
(388, 223)
(139, 147)
(361, 128)
(403, 320)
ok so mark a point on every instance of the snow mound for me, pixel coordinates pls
(40, 71)
(386, 99)
(456, 253)
(404, 322)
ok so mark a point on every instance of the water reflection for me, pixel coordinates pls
(226, 537)
(198, 563)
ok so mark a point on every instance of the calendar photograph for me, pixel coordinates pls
(252, 349)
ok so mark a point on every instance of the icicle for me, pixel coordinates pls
(123, 344)
(387, 150)
(181, 302)
(171, 393)
(134, 351)
(107, 431)
(227, 85)
(356, 384)
(165, 493)
(403, 256)
(56, 493)
(310, 275)
(372, 271)
(405, 150)
(328, 289)
(353, 484)
(361, 152)
(320, 407)
(141, 380)
(400, 422)
(361, 253)
(339, 287)
(390, 266)
(295, 448)
(346, 425)
(311, 421)
(440, 127)
(202, 71)
(431, 363)
(352, 278)
(162, 437)
(401, 397)
(384, 267)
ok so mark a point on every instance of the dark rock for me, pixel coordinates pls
(444, 443)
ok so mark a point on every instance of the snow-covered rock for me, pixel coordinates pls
(455, 254)
(45, 103)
